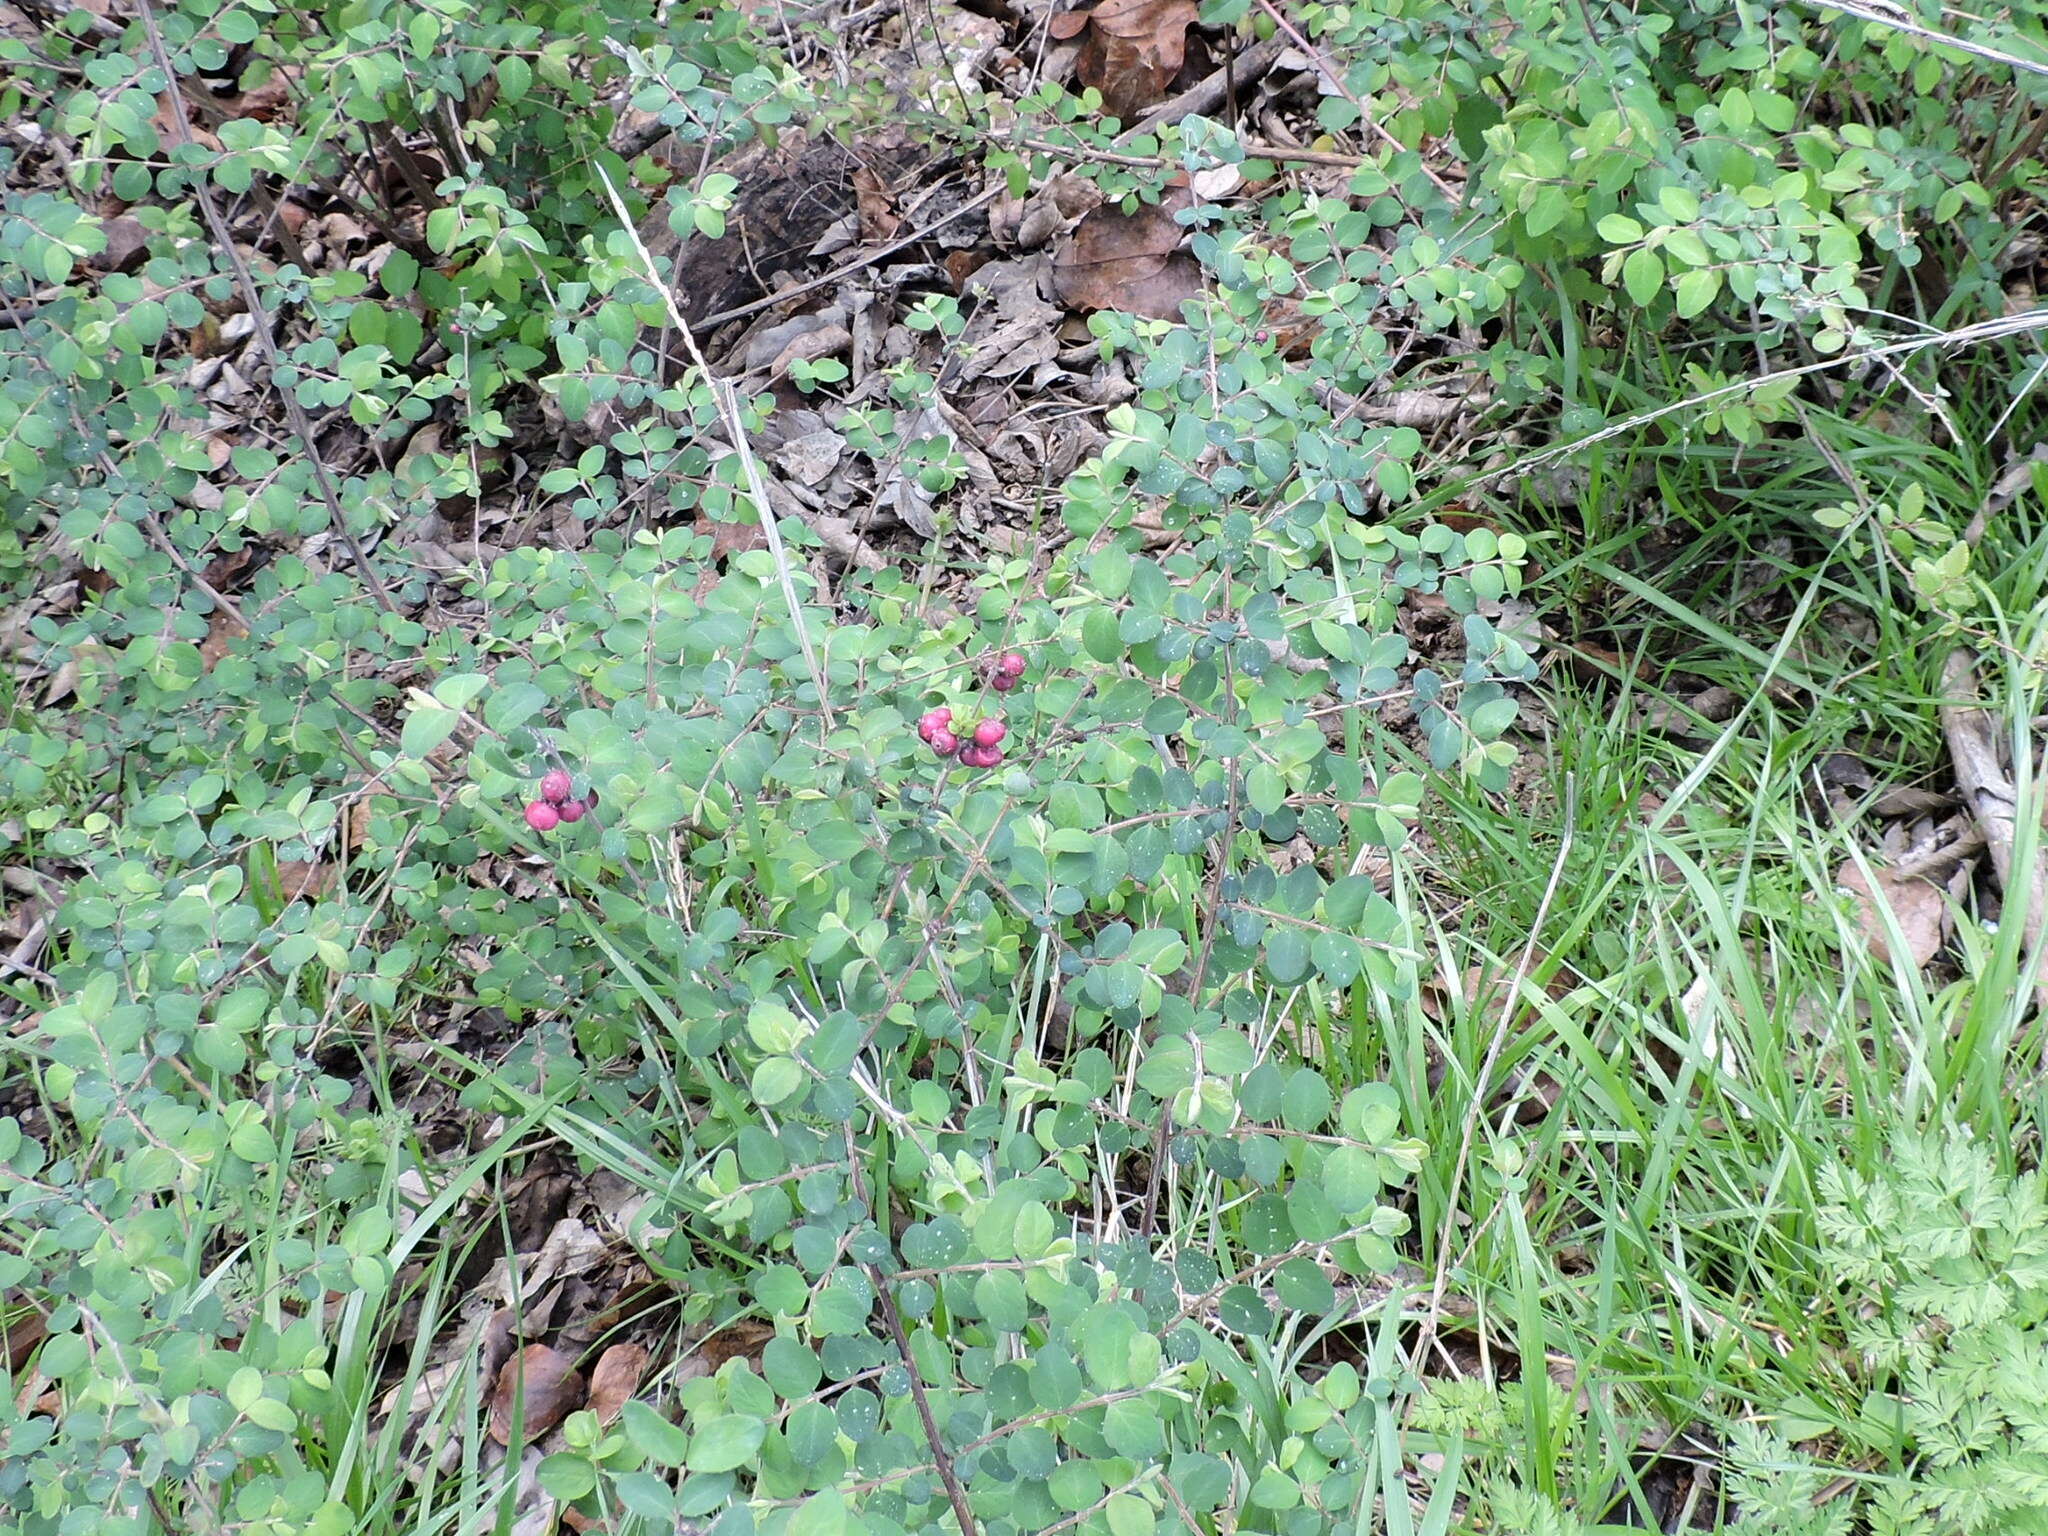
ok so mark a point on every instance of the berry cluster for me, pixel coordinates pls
(981, 749)
(1004, 672)
(554, 807)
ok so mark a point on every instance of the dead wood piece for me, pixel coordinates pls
(1988, 792)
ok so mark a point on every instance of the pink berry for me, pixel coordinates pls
(541, 816)
(989, 732)
(1012, 664)
(571, 811)
(554, 786)
(1002, 682)
(945, 743)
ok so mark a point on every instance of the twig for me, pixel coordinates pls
(294, 412)
(1335, 76)
(867, 259)
(962, 1511)
(1899, 19)
(1999, 329)
(1205, 94)
(728, 402)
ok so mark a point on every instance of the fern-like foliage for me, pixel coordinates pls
(1946, 1264)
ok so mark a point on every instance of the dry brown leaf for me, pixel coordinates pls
(539, 1386)
(615, 1378)
(1916, 905)
(22, 1330)
(1133, 50)
(1129, 261)
(221, 634)
(127, 245)
(879, 220)
(310, 879)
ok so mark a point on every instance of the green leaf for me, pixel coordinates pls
(1265, 788)
(1110, 569)
(653, 1436)
(725, 1444)
(268, 1413)
(822, 1514)
(777, 1078)
(426, 728)
(647, 1496)
(515, 78)
(791, 1369)
(1371, 1113)
(1351, 1178)
(1680, 203)
(1303, 1287)
(1643, 275)
(1287, 953)
(459, 689)
(1493, 717)
(1102, 636)
(245, 1387)
(566, 1475)
(1696, 290)
(1129, 1515)
(1305, 1103)
(398, 274)
(1620, 229)
(1687, 246)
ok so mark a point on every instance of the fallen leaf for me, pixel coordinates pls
(1129, 261)
(127, 245)
(614, 1379)
(538, 1386)
(1917, 906)
(310, 879)
(21, 1330)
(1132, 51)
(879, 220)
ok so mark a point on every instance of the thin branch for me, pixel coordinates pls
(728, 402)
(294, 412)
(941, 1460)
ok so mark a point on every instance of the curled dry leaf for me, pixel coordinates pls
(614, 1379)
(1917, 905)
(540, 1388)
(1132, 51)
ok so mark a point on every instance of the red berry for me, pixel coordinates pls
(989, 732)
(554, 786)
(1002, 682)
(571, 811)
(541, 816)
(945, 743)
(1012, 664)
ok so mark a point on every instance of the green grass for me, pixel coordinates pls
(1694, 998)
